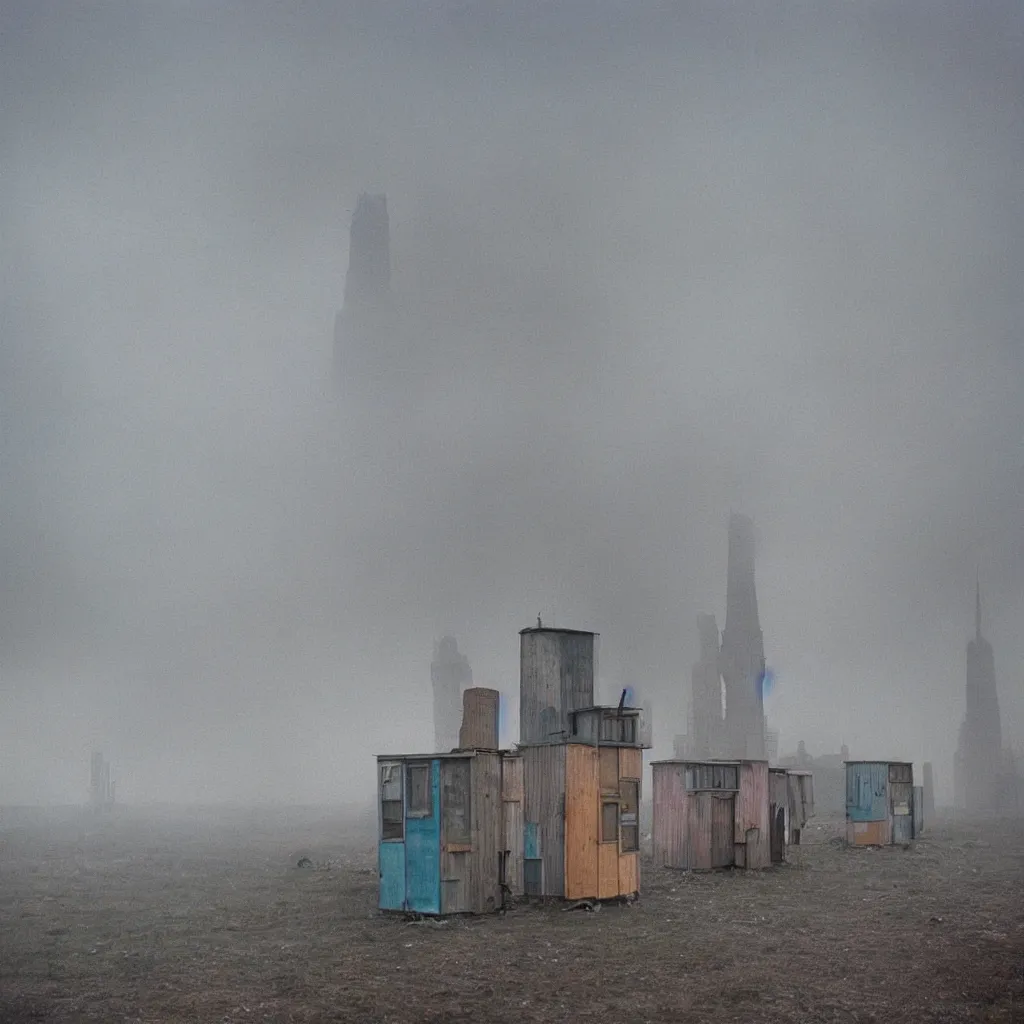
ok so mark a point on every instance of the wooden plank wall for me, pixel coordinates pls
(670, 816)
(512, 841)
(723, 810)
(479, 719)
(556, 670)
(544, 804)
(488, 818)
(699, 831)
(456, 857)
(583, 783)
(869, 833)
(631, 763)
(631, 766)
(752, 821)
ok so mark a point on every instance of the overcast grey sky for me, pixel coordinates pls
(655, 262)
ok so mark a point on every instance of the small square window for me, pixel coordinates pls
(609, 822)
(420, 802)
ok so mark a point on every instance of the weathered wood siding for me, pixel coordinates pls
(544, 811)
(723, 808)
(800, 786)
(629, 874)
(752, 821)
(513, 839)
(584, 780)
(869, 833)
(456, 835)
(607, 865)
(902, 796)
(778, 812)
(867, 791)
(700, 830)
(918, 810)
(669, 814)
(479, 719)
(631, 763)
(556, 676)
(608, 758)
(488, 817)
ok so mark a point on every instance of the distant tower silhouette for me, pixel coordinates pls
(367, 283)
(450, 674)
(742, 653)
(978, 761)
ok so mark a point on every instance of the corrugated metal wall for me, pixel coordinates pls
(544, 806)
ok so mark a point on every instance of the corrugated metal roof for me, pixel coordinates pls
(432, 756)
(556, 629)
(693, 760)
(605, 707)
(879, 760)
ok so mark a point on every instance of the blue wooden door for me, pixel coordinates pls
(391, 830)
(867, 787)
(423, 837)
(391, 863)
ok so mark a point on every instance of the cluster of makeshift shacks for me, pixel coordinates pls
(468, 830)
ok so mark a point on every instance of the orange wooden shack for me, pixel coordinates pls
(582, 774)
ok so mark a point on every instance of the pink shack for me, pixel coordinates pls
(711, 814)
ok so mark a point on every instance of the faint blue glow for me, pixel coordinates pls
(767, 682)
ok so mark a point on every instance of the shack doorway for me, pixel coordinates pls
(778, 834)
(723, 815)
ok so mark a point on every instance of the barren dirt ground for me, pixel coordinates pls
(204, 916)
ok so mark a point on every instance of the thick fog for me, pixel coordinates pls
(653, 265)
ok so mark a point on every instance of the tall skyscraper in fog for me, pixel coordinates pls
(979, 757)
(742, 654)
(367, 287)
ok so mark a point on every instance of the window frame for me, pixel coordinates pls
(390, 773)
(413, 810)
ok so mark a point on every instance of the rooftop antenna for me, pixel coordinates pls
(539, 626)
(622, 700)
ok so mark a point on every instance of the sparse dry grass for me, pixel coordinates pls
(204, 917)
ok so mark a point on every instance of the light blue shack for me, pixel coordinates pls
(883, 807)
(447, 839)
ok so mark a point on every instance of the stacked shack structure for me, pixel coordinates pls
(450, 823)
(883, 808)
(711, 814)
(582, 773)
